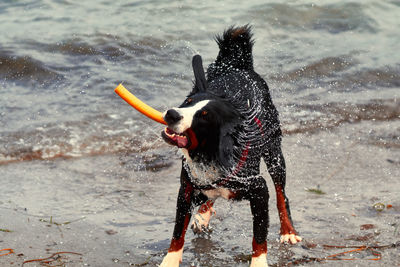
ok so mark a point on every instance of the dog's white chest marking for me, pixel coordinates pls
(204, 175)
(201, 174)
(218, 192)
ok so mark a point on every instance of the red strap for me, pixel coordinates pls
(242, 160)
(244, 155)
(257, 120)
(245, 152)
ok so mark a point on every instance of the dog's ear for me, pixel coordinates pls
(225, 150)
(227, 142)
(199, 75)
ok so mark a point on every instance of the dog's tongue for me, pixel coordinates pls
(181, 141)
(174, 139)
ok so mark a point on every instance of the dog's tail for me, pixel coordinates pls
(235, 49)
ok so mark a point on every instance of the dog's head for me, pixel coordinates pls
(204, 123)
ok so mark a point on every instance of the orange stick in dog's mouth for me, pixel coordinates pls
(139, 105)
(183, 140)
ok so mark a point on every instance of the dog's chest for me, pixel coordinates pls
(201, 173)
(219, 192)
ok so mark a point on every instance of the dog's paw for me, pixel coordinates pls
(260, 261)
(172, 259)
(290, 238)
(201, 221)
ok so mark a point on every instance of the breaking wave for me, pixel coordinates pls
(105, 134)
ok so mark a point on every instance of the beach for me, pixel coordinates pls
(114, 214)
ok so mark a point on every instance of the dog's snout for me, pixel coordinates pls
(172, 116)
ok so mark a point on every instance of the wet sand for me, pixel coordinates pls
(118, 210)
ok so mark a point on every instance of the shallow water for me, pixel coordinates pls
(332, 68)
(325, 64)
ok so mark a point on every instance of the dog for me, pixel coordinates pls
(224, 127)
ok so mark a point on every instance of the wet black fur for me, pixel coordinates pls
(228, 126)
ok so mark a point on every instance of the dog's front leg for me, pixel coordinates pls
(183, 214)
(203, 216)
(258, 196)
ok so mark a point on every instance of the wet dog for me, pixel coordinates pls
(224, 127)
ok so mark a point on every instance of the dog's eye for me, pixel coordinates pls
(204, 113)
(189, 100)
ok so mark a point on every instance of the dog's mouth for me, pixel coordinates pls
(180, 140)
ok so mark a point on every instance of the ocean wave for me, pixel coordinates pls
(108, 134)
(343, 73)
(27, 70)
(318, 69)
(309, 118)
(386, 76)
(96, 135)
(333, 18)
(108, 46)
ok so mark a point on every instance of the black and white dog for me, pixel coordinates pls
(224, 127)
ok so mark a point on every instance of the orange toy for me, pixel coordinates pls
(139, 105)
